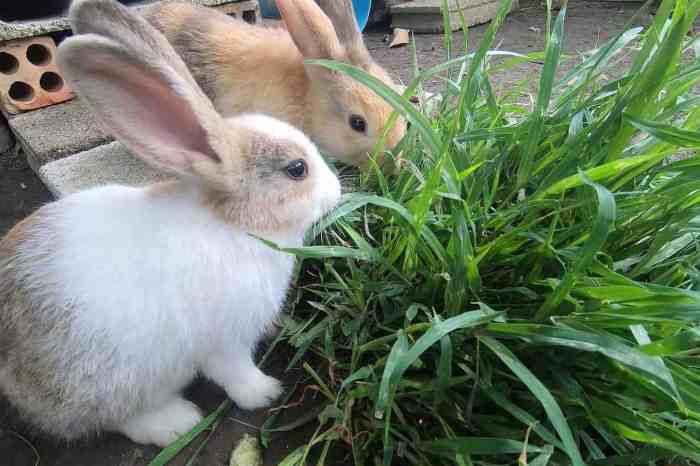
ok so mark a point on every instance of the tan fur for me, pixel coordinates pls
(341, 14)
(14, 237)
(22, 330)
(12, 302)
(245, 68)
(229, 193)
(240, 52)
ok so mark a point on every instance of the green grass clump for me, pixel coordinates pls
(525, 288)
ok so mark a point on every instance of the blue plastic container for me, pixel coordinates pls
(362, 10)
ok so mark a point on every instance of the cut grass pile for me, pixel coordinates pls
(525, 288)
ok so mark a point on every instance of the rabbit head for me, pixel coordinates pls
(347, 118)
(255, 171)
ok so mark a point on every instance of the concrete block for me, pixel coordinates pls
(21, 30)
(103, 165)
(29, 76)
(55, 132)
(44, 26)
(425, 16)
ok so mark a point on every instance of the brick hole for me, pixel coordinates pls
(51, 82)
(38, 54)
(8, 63)
(21, 92)
(249, 16)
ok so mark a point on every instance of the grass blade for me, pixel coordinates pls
(550, 405)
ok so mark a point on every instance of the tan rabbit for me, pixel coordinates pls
(247, 68)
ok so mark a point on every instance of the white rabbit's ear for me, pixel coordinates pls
(138, 87)
(310, 28)
(342, 15)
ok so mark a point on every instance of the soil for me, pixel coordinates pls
(21, 191)
(588, 25)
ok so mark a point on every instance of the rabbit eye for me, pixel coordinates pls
(297, 169)
(358, 123)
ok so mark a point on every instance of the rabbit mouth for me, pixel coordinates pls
(327, 207)
(330, 198)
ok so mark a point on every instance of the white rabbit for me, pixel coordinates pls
(113, 299)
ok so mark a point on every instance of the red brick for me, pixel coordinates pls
(29, 77)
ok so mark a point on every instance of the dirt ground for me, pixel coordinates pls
(588, 25)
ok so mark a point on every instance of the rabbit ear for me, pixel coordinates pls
(111, 20)
(139, 88)
(342, 15)
(312, 31)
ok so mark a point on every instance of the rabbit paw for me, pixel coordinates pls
(164, 425)
(256, 390)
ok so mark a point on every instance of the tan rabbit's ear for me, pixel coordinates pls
(138, 87)
(310, 28)
(342, 15)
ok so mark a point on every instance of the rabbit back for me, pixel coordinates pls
(223, 53)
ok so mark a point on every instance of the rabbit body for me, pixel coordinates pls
(113, 299)
(122, 306)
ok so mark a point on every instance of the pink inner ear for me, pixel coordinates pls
(151, 115)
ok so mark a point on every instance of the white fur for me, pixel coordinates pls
(159, 289)
(327, 189)
(164, 425)
(276, 128)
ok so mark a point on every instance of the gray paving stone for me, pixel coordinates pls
(23, 29)
(20, 30)
(51, 133)
(103, 165)
(424, 16)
